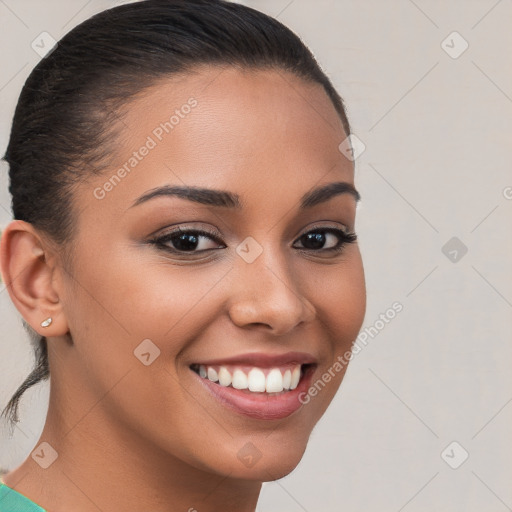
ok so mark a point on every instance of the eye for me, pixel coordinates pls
(194, 241)
(326, 239)
(183, 240)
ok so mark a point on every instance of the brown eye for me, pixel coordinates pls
(326, 239)
(188, 240)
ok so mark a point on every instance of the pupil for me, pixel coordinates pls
(186, 242)
(316, 240)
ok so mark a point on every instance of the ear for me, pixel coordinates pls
(28, 270)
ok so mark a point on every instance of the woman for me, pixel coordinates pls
(184, 249)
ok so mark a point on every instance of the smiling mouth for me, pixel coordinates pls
(252, 379)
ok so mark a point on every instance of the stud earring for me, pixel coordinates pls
(47, 322)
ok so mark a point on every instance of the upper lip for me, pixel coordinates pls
(262, 360)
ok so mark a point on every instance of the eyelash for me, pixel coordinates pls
(344, 238)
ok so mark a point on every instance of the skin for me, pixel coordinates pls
(133, 437)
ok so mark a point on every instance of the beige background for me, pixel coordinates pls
(437, 165)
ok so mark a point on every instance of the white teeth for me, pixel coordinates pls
(274, 383)
(212, 375)
(256, 380)
(224, 377)
(240, 380)
(295, 377)
(287, 379)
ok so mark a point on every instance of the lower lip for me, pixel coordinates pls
(262, 406)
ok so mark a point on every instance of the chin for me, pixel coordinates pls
(267, 457)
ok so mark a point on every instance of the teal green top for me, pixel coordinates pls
(13, 501)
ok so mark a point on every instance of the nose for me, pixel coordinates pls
(266, 293)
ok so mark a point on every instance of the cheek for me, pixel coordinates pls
(340, 300)
(145, 297)
(122, 301)
(169, 303)
(341, 308)
(353, 307)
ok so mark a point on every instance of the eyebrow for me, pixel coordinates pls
(225, 199)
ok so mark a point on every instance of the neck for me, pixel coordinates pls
(101, 467)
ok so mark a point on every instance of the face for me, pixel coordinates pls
(211, 287)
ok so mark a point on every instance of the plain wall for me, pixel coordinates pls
(437, 164)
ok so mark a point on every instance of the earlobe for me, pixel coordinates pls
(28, 268)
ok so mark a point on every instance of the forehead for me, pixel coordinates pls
(229, 128)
